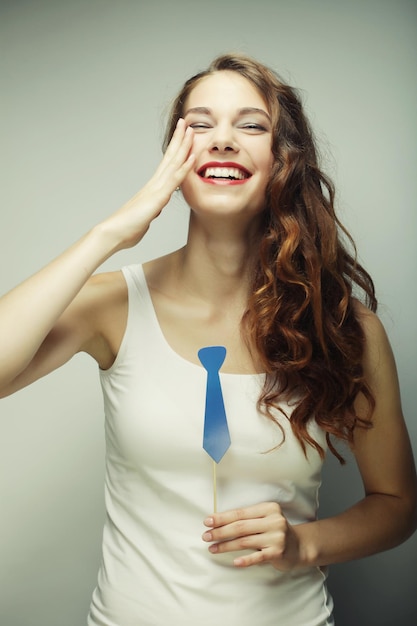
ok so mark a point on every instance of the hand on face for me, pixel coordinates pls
(175, 165)
(262, 528)
(131, 222)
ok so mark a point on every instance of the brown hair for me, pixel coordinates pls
(301, 316)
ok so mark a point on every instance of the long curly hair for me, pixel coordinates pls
(301, 316)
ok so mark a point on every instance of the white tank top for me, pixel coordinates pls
(156, 569)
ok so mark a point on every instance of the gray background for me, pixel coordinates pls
(85, 86)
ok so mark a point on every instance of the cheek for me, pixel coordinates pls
(189, 186)
(262, 155)
(200, 142)
(269, 159)
(198, 146)
(266, 167)
(269, 166)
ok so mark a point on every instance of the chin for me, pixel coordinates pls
(222, 200)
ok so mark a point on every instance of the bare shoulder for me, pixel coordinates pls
(101, 292)
(106, 287)
(377, 348)
(379, 366)
(367, 318)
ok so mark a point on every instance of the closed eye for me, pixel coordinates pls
(198, 125)
(254, 127)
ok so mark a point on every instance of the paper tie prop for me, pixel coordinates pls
(216, 438)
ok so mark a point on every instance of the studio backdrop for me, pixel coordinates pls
(85, 85)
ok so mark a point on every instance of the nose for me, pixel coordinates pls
(223, 147)
(223, 141)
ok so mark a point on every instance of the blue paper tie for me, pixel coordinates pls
(216, 438)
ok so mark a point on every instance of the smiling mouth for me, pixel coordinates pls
(224, 173)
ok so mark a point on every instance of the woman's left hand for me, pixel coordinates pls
(262, 528)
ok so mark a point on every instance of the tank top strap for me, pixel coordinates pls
(140, 301)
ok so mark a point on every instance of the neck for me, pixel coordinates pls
(217, 261)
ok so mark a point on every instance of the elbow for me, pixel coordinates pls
(7, 389)
(397, 519)
(3, 392)
(413, 513)
(409, 515)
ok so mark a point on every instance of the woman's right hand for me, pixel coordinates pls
(129, 224)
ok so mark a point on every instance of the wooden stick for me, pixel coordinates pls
(214, 487)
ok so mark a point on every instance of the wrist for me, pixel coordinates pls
(307, 546)
(106, 238)
(117, 233)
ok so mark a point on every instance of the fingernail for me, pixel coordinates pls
(238, 562)
(209, 521)
(213, 548)
(207, 537)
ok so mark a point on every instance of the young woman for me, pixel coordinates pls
(265, 274)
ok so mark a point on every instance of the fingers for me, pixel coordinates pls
(174, 167)
(241, 531)
(261, 528)
(178, 136)
(251, 512)
(177, 160)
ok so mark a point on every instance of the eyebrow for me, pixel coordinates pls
(241, 112)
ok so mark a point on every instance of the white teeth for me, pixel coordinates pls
(224, 172)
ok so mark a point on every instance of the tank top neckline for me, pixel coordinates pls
(150, 305)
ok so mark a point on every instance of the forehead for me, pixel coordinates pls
(225, 88)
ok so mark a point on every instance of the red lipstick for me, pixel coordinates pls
(225, 180)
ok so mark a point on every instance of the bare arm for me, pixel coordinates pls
(35, 336)
(385, 517)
